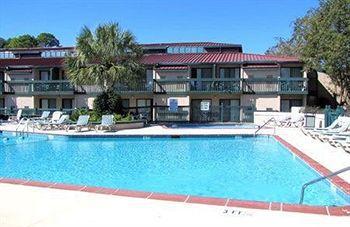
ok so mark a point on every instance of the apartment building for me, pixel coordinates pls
(199, 81)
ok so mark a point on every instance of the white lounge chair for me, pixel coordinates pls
(44, 116)
(295, 121)
(55, 117)
(106, 122)
(328, 134)
(335, 124)
(82, 122)
(343, 143)
(280, 121)
(18, 117)
(64, 119)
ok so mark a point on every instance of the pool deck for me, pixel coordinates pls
(38, 206)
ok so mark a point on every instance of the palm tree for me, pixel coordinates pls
(107, 57)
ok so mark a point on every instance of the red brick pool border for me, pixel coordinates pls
(274, 206)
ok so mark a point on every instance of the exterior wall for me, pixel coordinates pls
(164, 100)
(171, 74)
(58, 100)
(84, 101)
(262, 102)
(8, 76)
(260, 73)
(19, 101)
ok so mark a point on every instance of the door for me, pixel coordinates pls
(229, 110)
(201, 110)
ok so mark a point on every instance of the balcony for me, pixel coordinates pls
(132, 88)
(185, 86)
(64, 87)
(246, 86)
(37, 87)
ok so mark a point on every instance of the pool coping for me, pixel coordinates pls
(340, 183)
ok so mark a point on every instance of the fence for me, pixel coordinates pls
(331, 115)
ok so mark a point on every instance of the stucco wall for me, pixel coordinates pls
(260, 73)
(171, 74)
(19, 101)
(262, 102)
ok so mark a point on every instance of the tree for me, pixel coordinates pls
(22, 41)
(322, 40)
(47, 40)
(325, 37)
(2, 42)
(284, 47)
(107, 57)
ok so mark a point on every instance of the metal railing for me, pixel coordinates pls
(38, 86)
(262, 126)
(225, 85)
(320, 179)
(233, 85)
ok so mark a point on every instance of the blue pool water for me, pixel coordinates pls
(249, 168)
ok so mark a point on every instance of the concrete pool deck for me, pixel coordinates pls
(50, 207)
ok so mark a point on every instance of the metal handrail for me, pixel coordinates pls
(260, 127)
(319, 179)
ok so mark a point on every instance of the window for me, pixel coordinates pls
(2, 103)
(47, 104)
(292, 72)
(185, 49)
(229, 72)
(296, 72)
(206, 73)
(63, 73)
(144, 105)
(287, 104)
(193, 73)
(125, 103)
(144, 102)
(44, 75)
(67, 103)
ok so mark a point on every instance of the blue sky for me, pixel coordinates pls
(252, 23)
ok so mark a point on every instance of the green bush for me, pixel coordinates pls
(76, 113)
(94, 116)
(121, 118)
(108, 102)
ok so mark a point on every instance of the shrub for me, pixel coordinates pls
(108, 102)
(76, 113)
(119, 117)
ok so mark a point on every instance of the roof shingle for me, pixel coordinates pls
(200, 58)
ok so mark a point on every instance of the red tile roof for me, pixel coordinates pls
(172, 68)
(229, 57)
(165, 59)
(203, 44)
(31, 62)
(260, 66)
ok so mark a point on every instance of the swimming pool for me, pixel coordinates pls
(214, 126)
(248, 168)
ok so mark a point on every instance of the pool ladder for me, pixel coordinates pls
(260, 127)
(320, 179)
(25, 129)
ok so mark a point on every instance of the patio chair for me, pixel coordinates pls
(334, 125)
(343, 143)
(106, 122)
(295, 121)
(328, 134)
(43, 117)
(55, 118)
(18, 117)
(82, 122)
(281, 120)
(64, 119)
